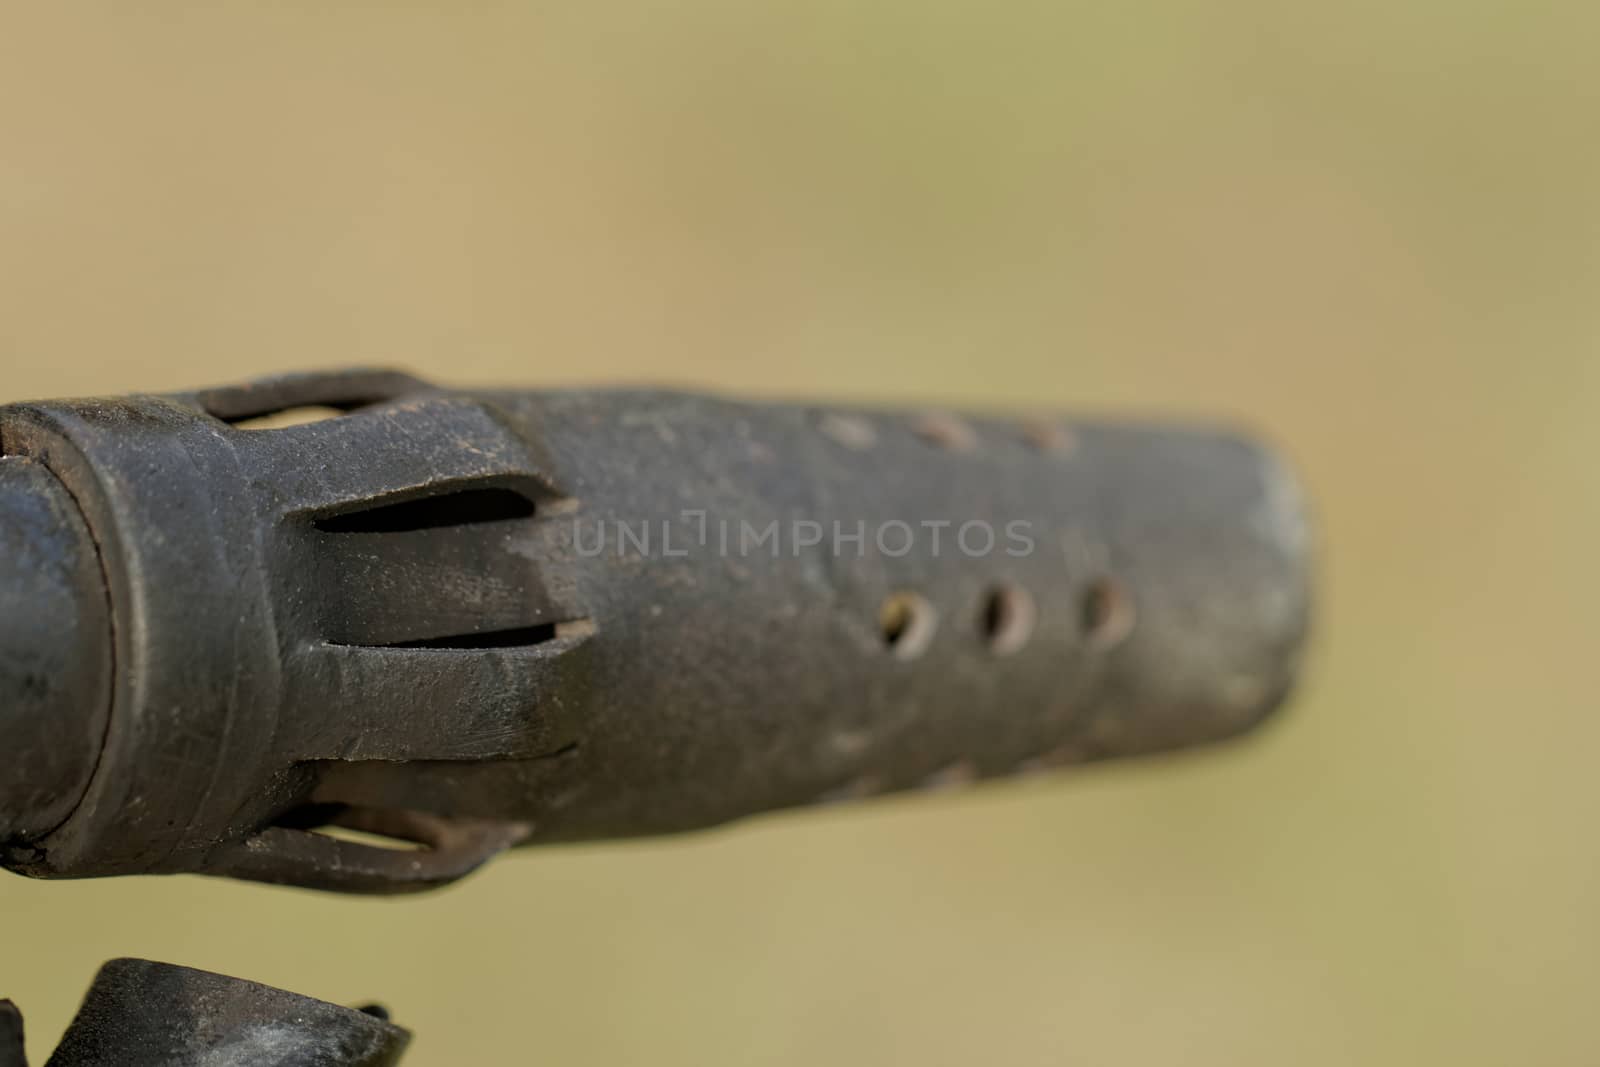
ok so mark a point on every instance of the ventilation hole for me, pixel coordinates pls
(852, 431)
(280, 420)
(343, 391)
(1051, 437)
(1008, 618)
(1107, 613)
(431, 512)
(907, 622)
(946, 431)
(323, 819)
(370, 840)
(519, 637)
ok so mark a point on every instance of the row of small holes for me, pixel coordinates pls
(908, 620)
(957, 435)
(943, 430)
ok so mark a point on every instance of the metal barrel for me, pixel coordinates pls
(478, 619)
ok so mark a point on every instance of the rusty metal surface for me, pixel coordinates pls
(144, 1014)
(477, 619)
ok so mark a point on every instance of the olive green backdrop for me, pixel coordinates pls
(1369, 228)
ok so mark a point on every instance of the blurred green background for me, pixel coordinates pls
(1368, 228)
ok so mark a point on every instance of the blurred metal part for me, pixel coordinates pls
(467, 620)
(144, 1014)
(12, 1051)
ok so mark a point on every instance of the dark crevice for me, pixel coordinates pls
(465, 508)
(519, 637)
(310, 816)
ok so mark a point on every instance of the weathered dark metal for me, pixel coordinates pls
(55, 651)
(143, 1014)
(12, 1051)
(477, 619)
